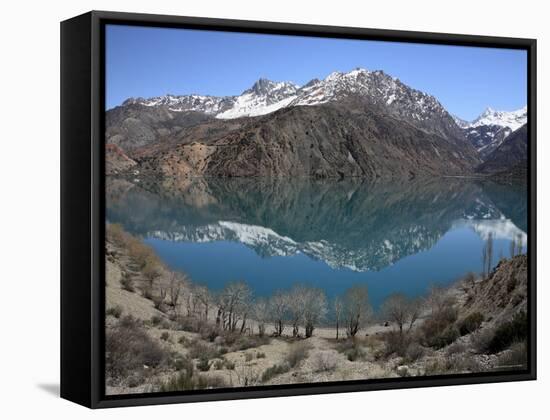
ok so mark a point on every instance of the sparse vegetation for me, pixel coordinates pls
(509, 332)
(189, 380)
(129, 349)
(115, 311)
(351, 348)
(203, 364)
(275, 370)
(515, 357)
(471, 323)
(324, 361)
(127, 282)
(225, 332)
(298, 351)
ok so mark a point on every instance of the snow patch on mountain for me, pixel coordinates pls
(510, 119)
(266, 96)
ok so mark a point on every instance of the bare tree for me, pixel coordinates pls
(436, 299)
(513, 247)
(203, 299)
(233, 306)
(487, 254)
(338, 306)
(261, 314)
(315, 308)
(296, 299)
(401, 310)
(357, 309)
(519, 242)
(278, 309)
(176, 286)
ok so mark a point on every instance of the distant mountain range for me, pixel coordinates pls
(356, 124)
(489, 130)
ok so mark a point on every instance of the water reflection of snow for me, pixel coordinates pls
(499, 228)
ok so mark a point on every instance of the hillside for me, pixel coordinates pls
(350, 139)
(163, 332)
(510, 157)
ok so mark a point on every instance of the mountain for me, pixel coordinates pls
(360, 123)
(265, 97)
(489, 130)
(510, 157)
(116, 161)
(345, 139)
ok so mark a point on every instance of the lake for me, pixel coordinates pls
(392, 236)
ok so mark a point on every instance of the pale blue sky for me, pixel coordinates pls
(146, 61)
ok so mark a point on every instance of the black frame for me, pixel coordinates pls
(83, 207)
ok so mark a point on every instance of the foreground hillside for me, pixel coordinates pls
(166, 333)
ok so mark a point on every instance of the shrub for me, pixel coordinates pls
(146, 292)
(127, 283)
(198, 349)
(156, 320)
(218, 364)
(273, 371)
(165, 336)
(247, 376)
(183, 340)
(115, 311)
(515, 357)
(128, 348)
(245, 342)
(298, 352)
(448, 336)
(185, 381)
(260, 355)
(414, 352)
(509, 332)
(248, 357)
(209, 333)
(456, 348)
(462, 363)
(439, 329)
(351, 348)
(116, 233)
(204, 364)
(324, 361)
(481, 339)
(183, 363)
(229, 365)
(189, 323)
(471, 323)
(396, 343)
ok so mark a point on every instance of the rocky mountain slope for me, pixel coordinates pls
(343, 140)
(510, 157)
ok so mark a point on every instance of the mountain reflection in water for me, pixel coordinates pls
(399, 236)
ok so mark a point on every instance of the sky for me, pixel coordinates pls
(147, 62)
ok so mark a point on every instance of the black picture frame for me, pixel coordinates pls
(83, 206)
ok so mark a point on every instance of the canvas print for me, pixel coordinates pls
(295, 210)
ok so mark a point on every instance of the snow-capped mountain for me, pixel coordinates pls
(510, 119)
(262, 98)
(266, 96)
(488, 131)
